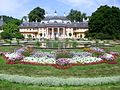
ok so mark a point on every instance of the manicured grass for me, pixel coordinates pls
(116, 48)
(8, 48)
(5, 85)
(42, 71)
(77, 71)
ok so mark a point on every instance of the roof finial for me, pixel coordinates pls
(55, 13)
(64, 14)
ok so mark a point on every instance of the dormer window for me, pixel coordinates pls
(55, 21)
(68, 22)
(43, 22)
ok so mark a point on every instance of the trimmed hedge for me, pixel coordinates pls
(56, 81)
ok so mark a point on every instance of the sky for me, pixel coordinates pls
(20, 8)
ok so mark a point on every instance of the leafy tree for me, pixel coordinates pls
(105, 23)
(18, 35)
(36, 14)
(10, 28)
(6, 35)
(75, 15)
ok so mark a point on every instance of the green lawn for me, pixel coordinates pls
(77, 71)
(8, 48)
(4, 85)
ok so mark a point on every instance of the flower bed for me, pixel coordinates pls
(95, 55)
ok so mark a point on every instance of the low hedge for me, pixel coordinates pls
(56, 81)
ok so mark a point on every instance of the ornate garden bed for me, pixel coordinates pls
(61, 59)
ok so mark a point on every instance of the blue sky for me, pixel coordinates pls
(20, 8)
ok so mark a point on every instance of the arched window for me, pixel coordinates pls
(81, 36)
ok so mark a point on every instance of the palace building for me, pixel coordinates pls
(52, 27)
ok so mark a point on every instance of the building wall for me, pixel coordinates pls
(36, 32)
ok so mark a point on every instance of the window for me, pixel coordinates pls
(60, 28)
(74, 28)
(55, 29)
(49, 28)
(55, 21)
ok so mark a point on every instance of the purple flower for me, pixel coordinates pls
(114, 53)
(82, 54)
(97, 49)
(63, 61)
(107, 56)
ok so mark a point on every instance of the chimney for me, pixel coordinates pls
(87, 19)
(36, 21)
(27, 19)
(83, 19)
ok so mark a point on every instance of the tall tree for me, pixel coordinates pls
(36, 14)
(105, 23)
(75, 15)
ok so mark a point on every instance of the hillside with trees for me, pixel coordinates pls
(11, 28)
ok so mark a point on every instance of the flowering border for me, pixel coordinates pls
(60, 66)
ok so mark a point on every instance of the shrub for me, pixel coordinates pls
(37, 43)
